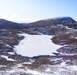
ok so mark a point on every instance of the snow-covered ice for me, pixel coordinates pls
(35, 45)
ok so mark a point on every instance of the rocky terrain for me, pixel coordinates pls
(63, 62)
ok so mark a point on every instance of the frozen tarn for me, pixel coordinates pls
(35, 45)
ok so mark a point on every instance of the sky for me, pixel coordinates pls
(33, 10)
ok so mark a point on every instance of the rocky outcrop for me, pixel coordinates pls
(68, 50)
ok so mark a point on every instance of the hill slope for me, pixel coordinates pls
(5, 24)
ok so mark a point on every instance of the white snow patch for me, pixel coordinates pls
(75, 37)
(27, 63)
(8, 45)
(74, 67)
(11, 53)
(34, 45)
(3, 66)
(63, 63)
(35, 72)
(6, 57)
(55, 59)
(48, 70)
(16, 71)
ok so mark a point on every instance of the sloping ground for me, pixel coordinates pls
(41, 68)
(5, 24)
(13, 64)
(69, 41)
(68, 38)
(65, 21)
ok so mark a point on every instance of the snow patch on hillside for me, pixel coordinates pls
(6, 57)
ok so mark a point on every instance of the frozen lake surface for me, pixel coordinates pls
(35, 45)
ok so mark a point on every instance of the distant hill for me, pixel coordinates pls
(5, 24)
(66, 21)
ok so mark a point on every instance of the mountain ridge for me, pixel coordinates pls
(66, 21)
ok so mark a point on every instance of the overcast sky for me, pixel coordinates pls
(33, 10)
